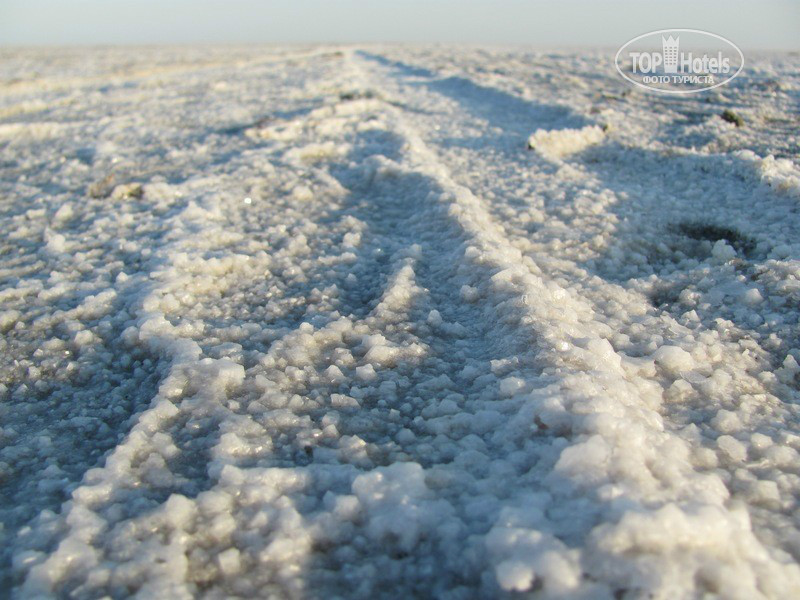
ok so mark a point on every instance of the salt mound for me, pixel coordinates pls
(559, 143)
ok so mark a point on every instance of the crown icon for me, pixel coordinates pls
(669, 47)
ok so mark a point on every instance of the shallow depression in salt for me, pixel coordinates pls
(379, 322)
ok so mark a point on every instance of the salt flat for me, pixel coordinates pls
(369, 322)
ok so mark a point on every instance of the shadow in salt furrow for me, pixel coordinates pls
(289, 303)
(406, 69)
(385, 235)
(515, 117)
(397, 207)
(401, 209)
(501, 151)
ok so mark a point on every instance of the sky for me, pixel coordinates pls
(751, 24)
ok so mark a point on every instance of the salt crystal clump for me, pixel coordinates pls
(434, 318)
(722, 251)
(673, 359)
(9, 318)
(55, 243)
(511, 385)
(64, 213)
(560, 143)
(726, 421)
(398, 503)
(732, 448)
(469, 293)
(514, 575)
(334, 375)
(752, 297)
(789, 370)
(229, 561)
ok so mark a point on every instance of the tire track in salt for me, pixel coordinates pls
(609, 370)
(734, 402)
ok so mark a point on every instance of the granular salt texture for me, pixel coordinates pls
(420, 360)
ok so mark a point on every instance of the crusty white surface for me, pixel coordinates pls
(352, 338)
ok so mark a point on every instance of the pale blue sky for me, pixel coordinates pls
(767, 24)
